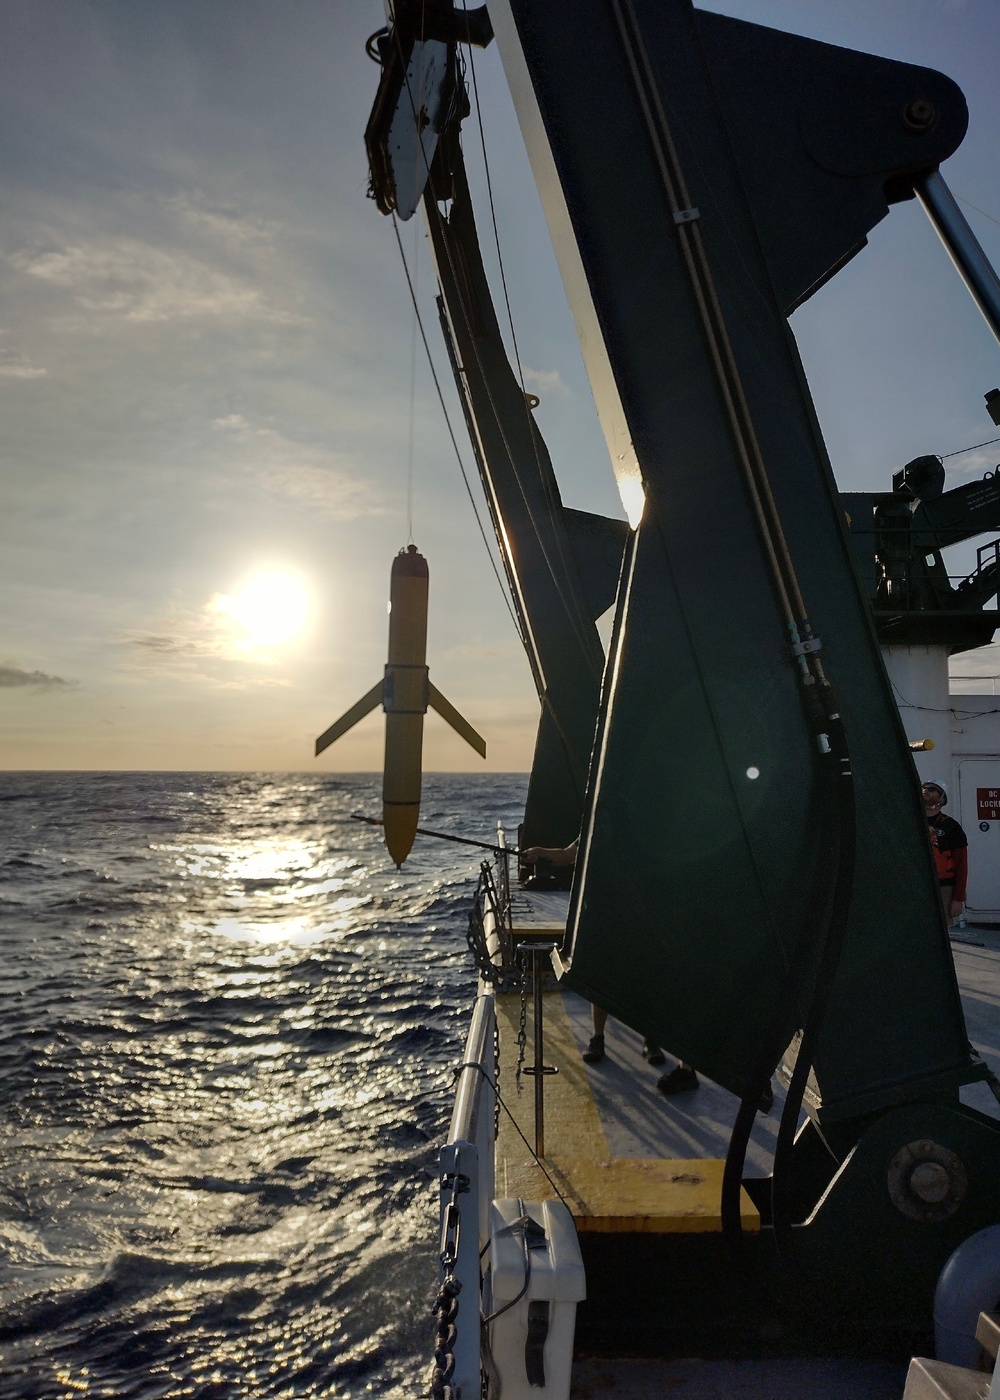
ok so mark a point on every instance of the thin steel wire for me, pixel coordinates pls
(569, 603)
(451, 432)
(962, 450)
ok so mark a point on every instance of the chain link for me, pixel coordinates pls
(522, 1025)
(496, 1079)
(446, 1304)
(445, 1333)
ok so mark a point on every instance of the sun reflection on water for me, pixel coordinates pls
(233, 1068)
(256, 881)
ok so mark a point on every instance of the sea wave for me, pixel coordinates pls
(228, 1028)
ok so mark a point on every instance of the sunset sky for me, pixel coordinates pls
(206, 352)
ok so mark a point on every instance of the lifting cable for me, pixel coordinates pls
(416, 104)
(411, 439)
(835, 866)
(571, 610)
(962, 450)
(451, 431)
(413, 399)
(569, 604)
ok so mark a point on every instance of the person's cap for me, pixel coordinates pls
(933, 783)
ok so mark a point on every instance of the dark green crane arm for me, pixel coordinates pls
(562, 565)
(702, 176)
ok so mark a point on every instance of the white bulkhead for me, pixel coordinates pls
(965, 730)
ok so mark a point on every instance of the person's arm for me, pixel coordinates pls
(555, 855)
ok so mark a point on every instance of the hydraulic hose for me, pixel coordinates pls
(832, 895)
(782, 1171)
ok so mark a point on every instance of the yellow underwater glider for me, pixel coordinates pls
(404, 693)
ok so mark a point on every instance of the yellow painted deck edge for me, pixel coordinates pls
(579, 1155)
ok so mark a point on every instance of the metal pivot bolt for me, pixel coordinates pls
(539, 1069)
(926, 1181)
(930, 1182)
(919, 115)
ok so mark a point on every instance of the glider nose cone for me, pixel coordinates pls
(400, 820)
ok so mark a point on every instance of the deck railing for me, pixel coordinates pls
(491, 935)
(467, 1189)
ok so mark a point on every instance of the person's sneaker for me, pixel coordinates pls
(594, 1053)
(766, 1101)
(678, 1081)
(652, 1053)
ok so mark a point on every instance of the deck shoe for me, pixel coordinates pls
(594, 1053)
(678, 1081)
(766, 1101)
(652, 1053)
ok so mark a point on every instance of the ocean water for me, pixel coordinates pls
(228, 1033)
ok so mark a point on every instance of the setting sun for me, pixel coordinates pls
(272, 608)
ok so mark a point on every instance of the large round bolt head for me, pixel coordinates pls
(930, 1182)
(919, 115)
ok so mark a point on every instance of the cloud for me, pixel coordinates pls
(186, 637)
(544, 381)
(271, 609)
(976, 463)
(225, 225)
(322, 490)
(233, 423)
(171, 644)
(15, 365)
(15, 678)
(300, 472)
(199, 650)
(136, 281)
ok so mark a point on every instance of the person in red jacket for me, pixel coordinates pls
(951, 850)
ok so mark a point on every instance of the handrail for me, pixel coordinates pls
(467, 1185)
(478, 1051)
(490, 933)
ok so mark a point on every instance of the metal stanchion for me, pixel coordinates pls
(539, 1069)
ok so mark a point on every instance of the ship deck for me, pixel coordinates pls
(630, 1162)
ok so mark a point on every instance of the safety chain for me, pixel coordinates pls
(522, 1025)
(446, 1304)
(501, 973)
(496, 1079)
(445, 1333)
(476, 934)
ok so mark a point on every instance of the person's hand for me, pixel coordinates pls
(555, 855)
(956, 908)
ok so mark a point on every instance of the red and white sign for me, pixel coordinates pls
(988, 804)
